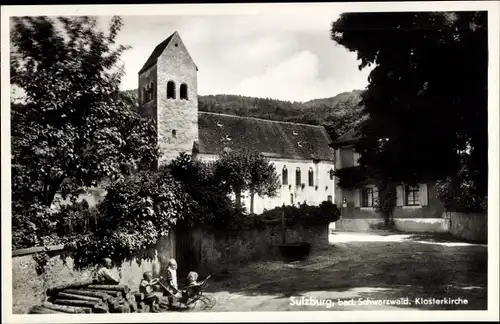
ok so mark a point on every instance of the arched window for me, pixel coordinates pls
(311, 177)
(171, 90)
(331, 174)
(152, 91)
(184, 91)
(174, 133)
(284, 175)
(297, 177)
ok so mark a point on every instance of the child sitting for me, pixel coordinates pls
(147, 288)
(189, 292)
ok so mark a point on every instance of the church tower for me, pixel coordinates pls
(168, 93)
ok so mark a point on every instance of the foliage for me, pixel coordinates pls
(71, 130)
(75, 218)
(211, 202)
(243, 170)
(136, 212)
(305, 215)
(351, 177)
(30, 224)
(386, 202)
(459, 193)
(427, 93)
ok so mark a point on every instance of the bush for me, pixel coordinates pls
(136, 212)
(211, 201)
(463, 192)
(306, 215)
(457, 196)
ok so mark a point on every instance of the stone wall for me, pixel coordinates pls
(28, 288)
(471, 227)
(229, 249)
(437, 225)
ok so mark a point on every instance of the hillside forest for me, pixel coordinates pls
(337, 114)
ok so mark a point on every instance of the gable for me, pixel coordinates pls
(218, 132)
(160, 48)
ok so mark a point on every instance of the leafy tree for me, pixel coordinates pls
(71, 130)
(243, 170)
(137, 211)
(211, 200)
(427, 95)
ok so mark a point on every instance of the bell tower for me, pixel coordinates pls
(168, 93)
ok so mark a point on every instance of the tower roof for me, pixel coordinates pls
(157, 52)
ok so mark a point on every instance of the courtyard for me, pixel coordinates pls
(371, 266)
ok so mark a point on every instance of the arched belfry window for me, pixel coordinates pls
(297, 177)
(171, 90)
(311, 177)
(184, 91)
(284, 175)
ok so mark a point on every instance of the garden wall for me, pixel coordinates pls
(227, 249)
(28, 288)
(437, 225)
(471, 227)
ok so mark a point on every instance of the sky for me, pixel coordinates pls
(281, 56)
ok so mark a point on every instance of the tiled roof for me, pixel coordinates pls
(219, 132)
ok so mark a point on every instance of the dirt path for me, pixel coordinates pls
(373, 267)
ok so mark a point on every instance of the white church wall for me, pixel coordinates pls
(323, 185)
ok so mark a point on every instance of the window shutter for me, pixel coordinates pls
(356, 194)
(423, 194)
(356, 157)
(399, 195)
(375, 196)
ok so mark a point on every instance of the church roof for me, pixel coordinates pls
(219, 132)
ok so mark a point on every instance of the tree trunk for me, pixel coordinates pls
(238, 199)
(252, 199)
(51, 190)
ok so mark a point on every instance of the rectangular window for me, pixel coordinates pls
(330, 199)
(367, 197)
(412, 197)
